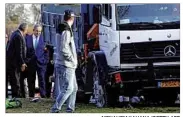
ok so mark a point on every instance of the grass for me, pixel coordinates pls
(45, 104)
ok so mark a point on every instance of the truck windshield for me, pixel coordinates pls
(148, 16)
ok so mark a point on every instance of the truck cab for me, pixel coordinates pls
(124, 27)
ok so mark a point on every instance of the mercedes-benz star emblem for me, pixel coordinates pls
(169, 50)
(169, 35)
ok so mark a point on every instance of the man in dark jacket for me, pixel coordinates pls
(37, 57)
(15, 58)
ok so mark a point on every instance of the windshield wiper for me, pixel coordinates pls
(145, 24)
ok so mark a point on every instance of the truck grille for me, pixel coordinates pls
(142, 52)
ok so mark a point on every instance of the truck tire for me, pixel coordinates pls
(96, 71)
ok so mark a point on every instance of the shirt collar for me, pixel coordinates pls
(34, 37)
(21, 32)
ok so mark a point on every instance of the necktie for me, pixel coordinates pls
(36, 41)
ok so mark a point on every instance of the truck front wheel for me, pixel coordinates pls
(98, 88)
(96, 76)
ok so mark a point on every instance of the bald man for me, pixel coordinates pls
(37, 57)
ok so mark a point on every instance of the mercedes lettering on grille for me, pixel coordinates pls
(169, 50)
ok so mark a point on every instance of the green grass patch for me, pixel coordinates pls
(45, 105)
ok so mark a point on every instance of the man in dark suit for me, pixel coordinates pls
(15, 58)
(37, 57)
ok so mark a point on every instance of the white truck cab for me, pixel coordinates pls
(142, 43)
(124, 27)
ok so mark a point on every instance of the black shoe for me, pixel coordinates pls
(69, 110)
(43, 96)
(54, 111)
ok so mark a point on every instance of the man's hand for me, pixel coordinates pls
(46, 49)
(52, 62)
(23, 67)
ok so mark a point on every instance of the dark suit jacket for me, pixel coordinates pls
(16, 50)
(38, 56)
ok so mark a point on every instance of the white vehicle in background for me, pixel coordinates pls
(140, 46)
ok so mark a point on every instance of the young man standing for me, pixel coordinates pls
(66, 61)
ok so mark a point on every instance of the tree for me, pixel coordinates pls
(16, 13)
(36, 12)
(22, 12)
(9, 11)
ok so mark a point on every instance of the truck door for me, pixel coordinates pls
(104, 40)
(109, 37)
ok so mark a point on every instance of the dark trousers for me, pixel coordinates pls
(49, 72)
(23, 75)
(40, 69)
(7, 80)
(13, 76)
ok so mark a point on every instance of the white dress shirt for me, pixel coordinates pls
(34, 40)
